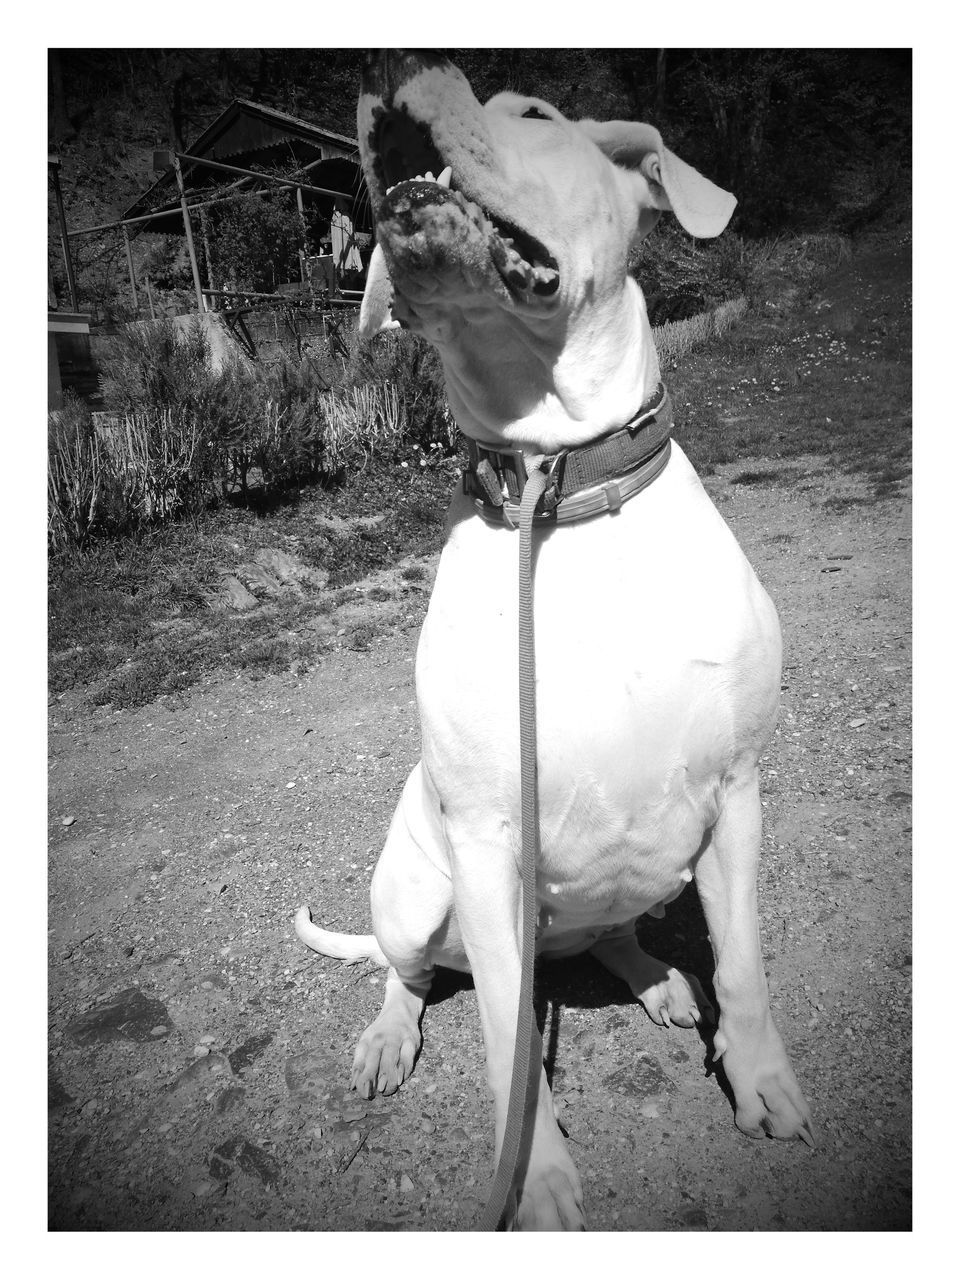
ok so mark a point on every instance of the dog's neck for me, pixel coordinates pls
(543, 386)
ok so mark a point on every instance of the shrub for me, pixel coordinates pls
(255, 242)
(269, 418)
(156, 365)
(682, 277)
(79, 481)
(410, 367)
(674, 340)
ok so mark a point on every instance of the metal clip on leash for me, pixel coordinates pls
(525, 1081)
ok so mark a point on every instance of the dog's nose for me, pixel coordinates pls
(386, 70)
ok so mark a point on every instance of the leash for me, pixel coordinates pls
(525, 1082)
(572, 485)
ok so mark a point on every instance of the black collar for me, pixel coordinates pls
(584, 481)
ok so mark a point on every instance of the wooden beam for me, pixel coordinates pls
(265, 177)
(133, 276)
(188, 229)
(54, 169)
(165, 213)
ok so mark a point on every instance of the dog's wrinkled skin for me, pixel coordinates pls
(658, 652)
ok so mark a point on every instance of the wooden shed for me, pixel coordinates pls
(253, 148)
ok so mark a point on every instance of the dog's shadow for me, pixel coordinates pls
(679, 940)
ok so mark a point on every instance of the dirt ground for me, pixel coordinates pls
(199, 1054)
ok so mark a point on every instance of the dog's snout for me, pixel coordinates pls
(387, 70)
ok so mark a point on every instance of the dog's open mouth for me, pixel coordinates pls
(408, 161)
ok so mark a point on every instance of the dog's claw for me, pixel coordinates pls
(806, 1134)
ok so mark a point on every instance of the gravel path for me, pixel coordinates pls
(199, 1055)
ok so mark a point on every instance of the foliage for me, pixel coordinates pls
(254, 243)
(166, 263)
(682, 277)
(676, 339)
(411, 367)
(178, 434)
(156, 365)
(807, 139)
(77, 485)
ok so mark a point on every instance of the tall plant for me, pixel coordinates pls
(254, 243)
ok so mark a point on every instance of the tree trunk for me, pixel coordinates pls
(660, 100)
(225, 73)
(60, 125)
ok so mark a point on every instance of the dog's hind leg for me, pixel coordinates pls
(668, 995)
(412, 906)
(767, 1095)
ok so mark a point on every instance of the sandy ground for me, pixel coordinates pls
(199, 1054)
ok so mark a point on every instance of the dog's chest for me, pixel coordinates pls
(656, 666)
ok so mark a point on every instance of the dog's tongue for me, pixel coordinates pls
(375, 312)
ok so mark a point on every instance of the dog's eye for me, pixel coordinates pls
(534, 113)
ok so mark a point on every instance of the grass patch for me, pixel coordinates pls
(847, 504)
(412, 502)
(129, 620)
(361, 636)
(784, 476)
(791, 386)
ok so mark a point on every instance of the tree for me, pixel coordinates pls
(737, 86)
(61, 126)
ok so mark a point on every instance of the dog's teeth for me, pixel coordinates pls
(545, 280)
(428, 177)
(444, 176)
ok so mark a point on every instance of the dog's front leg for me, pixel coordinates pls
(486, 889)
(768, 1097)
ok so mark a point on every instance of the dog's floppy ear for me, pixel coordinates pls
(699, 205)
(375, 313)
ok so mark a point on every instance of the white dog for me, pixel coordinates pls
(658, 652)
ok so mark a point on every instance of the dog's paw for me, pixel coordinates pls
(769, 1101)
(551, 1199)
(677, 999)
(385, 1055)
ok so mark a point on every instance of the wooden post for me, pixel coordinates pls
(153, 314)
(208, 256)
(191, 250)
(305, 252)
(54, 167)
(133, 276)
